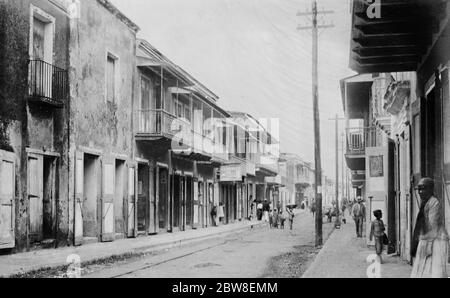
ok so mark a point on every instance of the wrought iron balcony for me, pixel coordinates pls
(48, 84)
(358, 139)
(156, 123)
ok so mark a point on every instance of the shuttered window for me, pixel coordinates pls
(111, 79)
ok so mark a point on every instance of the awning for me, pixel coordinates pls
(148, 62)
(398, 37)
(356, 93)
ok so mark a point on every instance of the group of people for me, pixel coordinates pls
(276, 218)
(430, 242)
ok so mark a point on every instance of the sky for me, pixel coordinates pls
(251, 54)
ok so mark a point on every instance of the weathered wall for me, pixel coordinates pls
(100, 124)
(23, 126)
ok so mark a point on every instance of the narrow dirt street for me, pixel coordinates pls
(261, 252)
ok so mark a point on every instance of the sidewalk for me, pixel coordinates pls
(53, 258)
(345, 256)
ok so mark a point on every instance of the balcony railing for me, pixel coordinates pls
(48, 83)
(156, 122)
(358, 139)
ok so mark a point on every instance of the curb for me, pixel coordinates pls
(320, 252)
(138, 251)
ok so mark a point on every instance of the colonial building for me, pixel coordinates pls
(180, 145)
(407, 51)
(102, 137)
(34, 129)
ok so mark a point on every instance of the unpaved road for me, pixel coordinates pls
(261, 252)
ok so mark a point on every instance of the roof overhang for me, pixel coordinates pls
(356, 92)
(400, 38)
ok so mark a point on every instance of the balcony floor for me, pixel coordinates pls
(356, 162)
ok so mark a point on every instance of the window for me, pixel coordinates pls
(111, 65)
(145, 94)
(42, 35)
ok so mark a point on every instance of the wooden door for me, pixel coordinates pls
(153, 229)
(107, 201)
(79, 195)
(7, 196)
(35, 197)
(131, 201)
(195, 219)
(157, 209)
(182, 213)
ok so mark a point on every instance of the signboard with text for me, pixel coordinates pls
(231, 173)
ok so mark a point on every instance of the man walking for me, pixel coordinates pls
(359, 214)
(266, 210)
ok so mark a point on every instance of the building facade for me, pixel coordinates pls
(414, 73)
(102, 137)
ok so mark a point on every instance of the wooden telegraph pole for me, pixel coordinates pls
(315, 92)
(337, 223)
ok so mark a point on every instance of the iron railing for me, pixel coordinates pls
(156, 122)
(358, 139)
(48, 83)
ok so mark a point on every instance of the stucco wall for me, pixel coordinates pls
(100, 124)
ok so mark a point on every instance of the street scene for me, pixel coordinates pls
(224, 139)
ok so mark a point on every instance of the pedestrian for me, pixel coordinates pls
(377, 233)
(291, 216)
(220, 213)
(266, 210)
(313, 209)
(430, 238)
(214, 215)
(344, 207)
(252, 208)
(271, 218)
(275, 217)
(259, 210)
(359, 215)
(282, 218)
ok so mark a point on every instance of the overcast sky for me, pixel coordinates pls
(250, 53)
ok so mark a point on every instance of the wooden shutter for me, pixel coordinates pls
(153, 219)
(79, 198)
(195, 219)
(7, 202)
(131, 201)
(35, 188)
(157, 199)
(107, 205)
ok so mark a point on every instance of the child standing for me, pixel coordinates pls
(282, 219)
(377, 231)
(275, 218)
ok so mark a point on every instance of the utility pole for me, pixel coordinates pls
(343, 194)
(315, 92)
(337, 223)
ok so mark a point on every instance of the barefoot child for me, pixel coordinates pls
(377, 230)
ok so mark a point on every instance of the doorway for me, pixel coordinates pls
(178, 194)
(41, 194)
(119, 198)
(163, 202)
(91, 196)
(189, 202)
(143, 205)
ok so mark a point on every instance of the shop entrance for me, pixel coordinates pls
(119, 198)
(143, 206)
(41, 194)
(189, 201)
(91, 193)
(163, 202)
